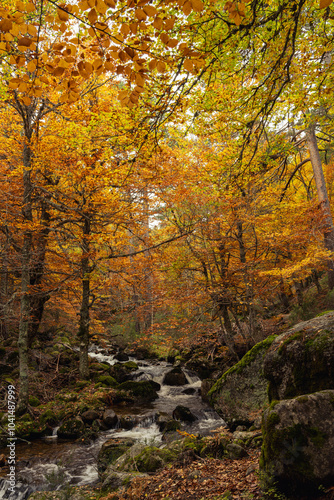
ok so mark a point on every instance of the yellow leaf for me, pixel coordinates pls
(161, 67)
(169, 24)
(58, 71)
(23, 87)
(187, 8)
(172, 42)
(125, 29)
(63, 16)
(29, 7)
(188, 65)
(109, 66)
(157, 23)
(92, 16)
(24, 42)
(325, 3)
(140, 15)
(134, 28)
(14, 83)
(26, 100)
(6, 25)
(197, 5)
(152, 64)
(32, 65)
(164, 38)
(9, 37)
(140, 81)
(31, 30)
(84, 5)
(101, 7)
(150, 10)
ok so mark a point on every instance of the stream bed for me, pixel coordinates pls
(51, 463)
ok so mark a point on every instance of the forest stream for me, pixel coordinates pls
(51, 463)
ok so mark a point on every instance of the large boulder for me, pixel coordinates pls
(184, 414)
(111, 450)
(301, 361)
(143, 391)
(71, 428)
(175, 377)
(298, 444)
(241, 392)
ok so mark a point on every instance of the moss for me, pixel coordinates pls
(33, 401)
(323, 313)
(107, 380)
(48, 417)
(141, 389)
(131, 365)
(151, 458)
(248, 358)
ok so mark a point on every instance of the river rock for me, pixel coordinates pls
(111, 450)
(128, 421)
(301, 361)
(109, 418)
(116, 480)
(175, 377)
(242, 390)
(235, 451)
(298, 444)
(121, 356)
(142, 391)
(184, 414)
(71, 429)
(89, 416)
(121, 373)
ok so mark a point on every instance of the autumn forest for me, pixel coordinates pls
(167, 176)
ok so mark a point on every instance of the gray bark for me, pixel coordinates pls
(322, 197)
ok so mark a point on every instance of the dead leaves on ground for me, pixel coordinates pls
(202, 479)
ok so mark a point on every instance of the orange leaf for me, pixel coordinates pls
(325, 3)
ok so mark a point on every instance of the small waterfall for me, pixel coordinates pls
(19, 492)
(50, 464)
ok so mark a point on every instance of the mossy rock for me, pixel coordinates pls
(28, 429)
(111, 450)
(242, 390)
(149, 459)
(298, 444)
(142, 390)
(130, 365)
(48, 417)
(107, 381)
(34, 401)
(73, 428)
(80, 384)
(99, 367)
(301, 361)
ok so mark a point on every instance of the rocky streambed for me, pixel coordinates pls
(173, 401)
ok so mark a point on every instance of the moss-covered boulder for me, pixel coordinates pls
(242, 391)
(107, 380)
(301, 361)
(111, 450)
(122, 372)
(73, 428)
(298, 444)
(142, 391)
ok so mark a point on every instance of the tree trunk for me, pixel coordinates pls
(83, 333)
(323, 198)
(25, 284)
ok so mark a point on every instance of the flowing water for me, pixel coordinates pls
(49, 463)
